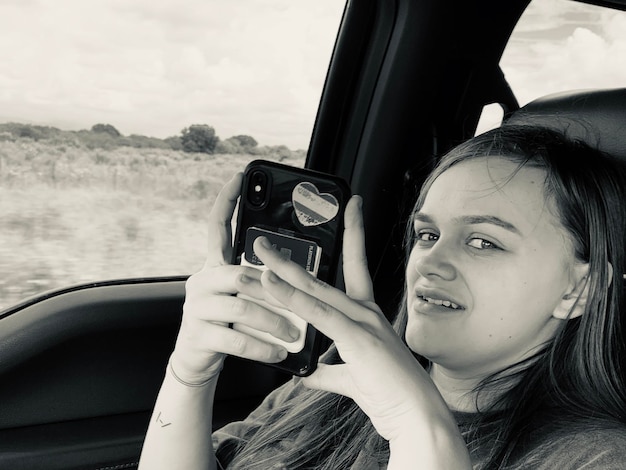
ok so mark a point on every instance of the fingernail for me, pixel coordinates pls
(359, 201)
(282, 354)
(294, 332)
(273, 278)
(244, 279)
(265, 243)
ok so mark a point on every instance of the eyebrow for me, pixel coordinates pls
(473, 220)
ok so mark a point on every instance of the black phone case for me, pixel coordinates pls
(290, 207)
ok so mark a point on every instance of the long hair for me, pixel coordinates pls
(578, 374)
(576, 377)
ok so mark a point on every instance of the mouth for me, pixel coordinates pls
(440, 302)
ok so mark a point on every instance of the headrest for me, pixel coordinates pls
(596, 117)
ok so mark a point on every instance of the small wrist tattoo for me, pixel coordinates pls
(160, 422)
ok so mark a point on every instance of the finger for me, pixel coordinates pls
(356, 274)
(202, 302)
(218, 280)
(246, 312)
(221, 339)
(302, 281)
(323, 316)
(330, 378)
(251, 286)
(220, 232)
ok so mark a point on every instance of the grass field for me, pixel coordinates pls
(69, 214)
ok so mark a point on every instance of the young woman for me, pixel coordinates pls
(507, 351)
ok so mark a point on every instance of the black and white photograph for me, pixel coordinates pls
(313, 235)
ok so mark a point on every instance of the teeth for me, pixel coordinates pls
(445, 303)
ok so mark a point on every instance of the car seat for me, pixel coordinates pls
(596, 117)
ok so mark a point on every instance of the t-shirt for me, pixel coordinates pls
(590, 450)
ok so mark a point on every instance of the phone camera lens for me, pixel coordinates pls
(257, 188)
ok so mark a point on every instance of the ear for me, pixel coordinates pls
(574, 301)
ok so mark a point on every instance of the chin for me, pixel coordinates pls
(427, 344)
(416, 340)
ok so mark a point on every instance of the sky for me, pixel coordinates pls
(556, 48)
(152, 67)
(254, 67)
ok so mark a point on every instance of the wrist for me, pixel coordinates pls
(196, 383)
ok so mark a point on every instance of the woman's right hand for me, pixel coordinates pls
(205, 338)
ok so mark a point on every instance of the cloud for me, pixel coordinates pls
(154, 67)
(556, 49)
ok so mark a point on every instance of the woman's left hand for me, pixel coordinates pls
(379, 372)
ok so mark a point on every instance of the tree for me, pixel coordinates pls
(245, 141)
(106, 129)
(174, 142)
(199, 138)
(227, 146)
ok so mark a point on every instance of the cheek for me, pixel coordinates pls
(518, 296)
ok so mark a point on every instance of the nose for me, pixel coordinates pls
(436, 261)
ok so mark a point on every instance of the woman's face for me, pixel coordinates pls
(490, 263)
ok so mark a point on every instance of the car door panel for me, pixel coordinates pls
(80, 371)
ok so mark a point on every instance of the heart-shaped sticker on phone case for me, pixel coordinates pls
(311, 207)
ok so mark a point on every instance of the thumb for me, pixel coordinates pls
(330, 378)
(219, 224)
(355, 270)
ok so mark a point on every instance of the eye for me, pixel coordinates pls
(424, 237)
(482, 244)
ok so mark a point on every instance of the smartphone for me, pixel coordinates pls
(301, 212)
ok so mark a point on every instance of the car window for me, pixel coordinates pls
(561, 45)
(119, 121)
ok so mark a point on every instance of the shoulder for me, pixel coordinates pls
(596, 447)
